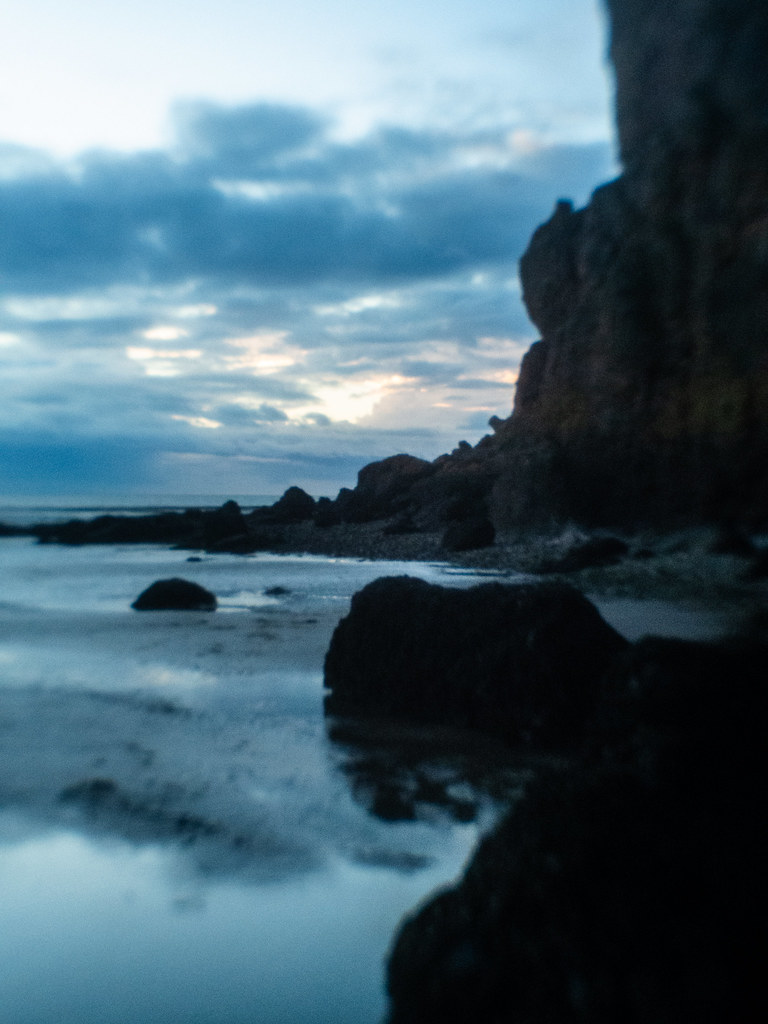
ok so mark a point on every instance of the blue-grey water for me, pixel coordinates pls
(180, 837)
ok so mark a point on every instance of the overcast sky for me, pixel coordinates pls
(247, 244)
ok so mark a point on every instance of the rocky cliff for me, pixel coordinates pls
(645, 403)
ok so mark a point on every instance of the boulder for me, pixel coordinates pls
(327, 512)
(175, 595)
(155, 528)
(400, 525)
(522, 662)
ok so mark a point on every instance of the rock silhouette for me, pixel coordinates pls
(521, 662)
(175, 595)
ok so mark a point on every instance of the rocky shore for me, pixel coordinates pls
(706, 566)
(627, 883)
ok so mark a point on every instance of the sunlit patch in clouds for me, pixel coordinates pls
(199, 422)
(361, 304)
(194, 311)
(352, 400)
(162, 362)
(164, 333)
(263, 353)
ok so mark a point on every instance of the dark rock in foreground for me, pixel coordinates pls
(626, 887)
(175, 595)
(521, 662)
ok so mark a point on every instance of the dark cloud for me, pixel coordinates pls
(390, 208)
(429, 370)
(237, 415)
(217, 385)
(134, 285)
(96, 332)
(269, 414)
(243, 141)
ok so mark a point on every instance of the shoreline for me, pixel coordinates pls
(681, 569)
(678, 568)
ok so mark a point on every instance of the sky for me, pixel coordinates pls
(245, 245)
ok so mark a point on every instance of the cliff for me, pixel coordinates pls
(645, 403)
(608, 892)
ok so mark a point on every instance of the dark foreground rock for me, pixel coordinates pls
(521, 662)
(175, 595)
(627, 886)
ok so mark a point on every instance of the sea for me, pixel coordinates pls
(184, 835)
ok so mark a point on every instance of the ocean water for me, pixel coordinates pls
(183, 835)
(20, 510)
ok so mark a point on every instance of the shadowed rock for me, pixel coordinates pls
(627, 886)
(522, 662)
(383, 489)
(175, 595)
(647, 400)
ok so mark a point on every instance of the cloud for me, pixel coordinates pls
(243, 141)
(262, 284)
(244, 200)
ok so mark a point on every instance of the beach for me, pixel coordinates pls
(180, 837)
(182, 830)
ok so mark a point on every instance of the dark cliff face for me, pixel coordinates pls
(646, 402)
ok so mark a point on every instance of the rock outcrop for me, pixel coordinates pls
(521, 662)
(645, 403)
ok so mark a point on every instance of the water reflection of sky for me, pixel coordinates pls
(111, 933)
(181, 838)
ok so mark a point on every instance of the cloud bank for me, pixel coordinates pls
(264, 303)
